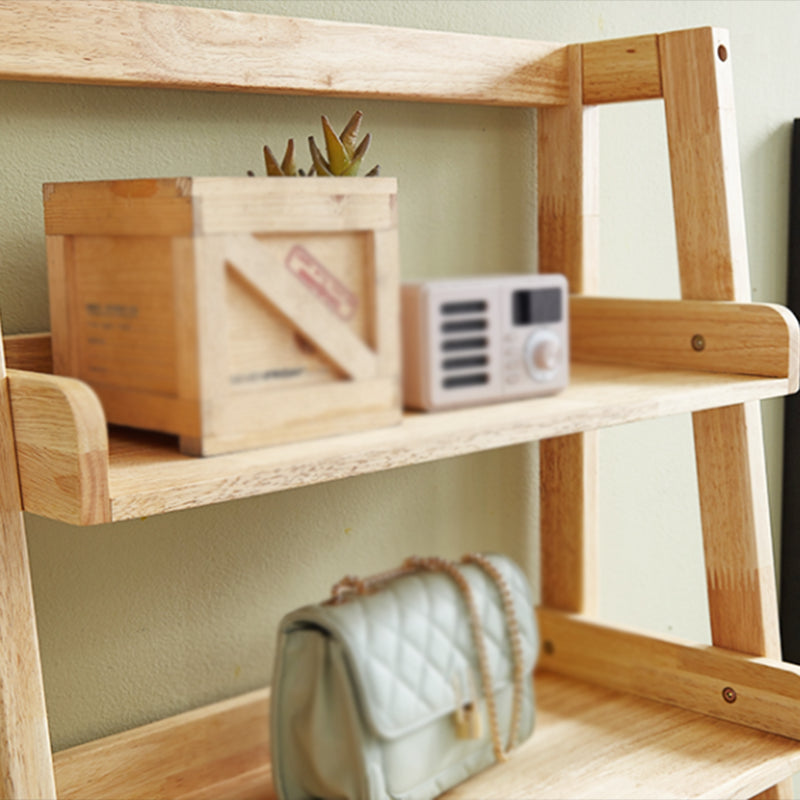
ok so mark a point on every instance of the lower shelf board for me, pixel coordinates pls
(589, 742)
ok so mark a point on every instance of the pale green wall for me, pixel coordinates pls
(147, 618)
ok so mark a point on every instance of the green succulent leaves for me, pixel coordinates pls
(344, 156)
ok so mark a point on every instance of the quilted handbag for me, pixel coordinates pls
(405, 684)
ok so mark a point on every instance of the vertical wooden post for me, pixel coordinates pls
(26, 766)
(567, 161)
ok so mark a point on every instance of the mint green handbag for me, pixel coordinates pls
(404, 684)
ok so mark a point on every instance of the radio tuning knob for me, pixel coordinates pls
(542, 355)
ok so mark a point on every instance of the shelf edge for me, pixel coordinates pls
(709, 336)
(757, 692)
(62, 447)
(220, 50)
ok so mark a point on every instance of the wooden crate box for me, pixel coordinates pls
(233, 312)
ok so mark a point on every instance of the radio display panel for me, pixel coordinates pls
(536, 306)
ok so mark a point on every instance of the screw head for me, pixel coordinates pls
(698, 342)
(729, 694)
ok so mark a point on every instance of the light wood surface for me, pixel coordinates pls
(616, 70)
(148, 475)
(765, 694)
(29, 351)
(62, 440)
(26, 769)
(232, 312)
(269, 205)
(704, 165)
(209, 49)
(588, 742)
(219, 751)
(734, 509)
(709, 218)
(746, 338)
(183, 206)
(256, 264)
(697, 84)
(568, 225)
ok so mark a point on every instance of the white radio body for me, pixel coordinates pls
(484, 339)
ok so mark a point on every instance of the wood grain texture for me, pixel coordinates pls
(712, 255)
(148, 475)
(568, 225)
(268, 205)
(29, 351)
(185, 205)
(26, 769)
(589, 742)
(704, 165)
(568, 187)
(745, 338)
(62, 447)
(616, 70)
(246, 256)
(568, 502)
(216, 309)
(144, 206)
(217, 751)
(670, 670)
(734, 509)
(141, 44)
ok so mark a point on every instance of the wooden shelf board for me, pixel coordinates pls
(132, 474)
(79, 41)
(148, 475)
(589, 742)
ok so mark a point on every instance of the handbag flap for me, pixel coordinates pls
(409, 645)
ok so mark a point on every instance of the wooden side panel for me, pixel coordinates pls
(29, 351)
(713, 336)
(26, 769)
(303, 328)
(221, 750)
(568, 159)
(621, 69)
(765, 692)
(140, 207)
(210, 49)
(62, 447)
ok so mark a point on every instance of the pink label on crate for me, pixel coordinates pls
(315, 275)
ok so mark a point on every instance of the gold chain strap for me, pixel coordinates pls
(435, 564)
(514, 637)
(352, 585)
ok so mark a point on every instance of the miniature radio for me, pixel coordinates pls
(484, 339)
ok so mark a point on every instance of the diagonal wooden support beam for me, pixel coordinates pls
(712, 253)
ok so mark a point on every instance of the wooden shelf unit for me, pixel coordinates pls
(621, 714)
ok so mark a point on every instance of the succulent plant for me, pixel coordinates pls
(344, 155)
